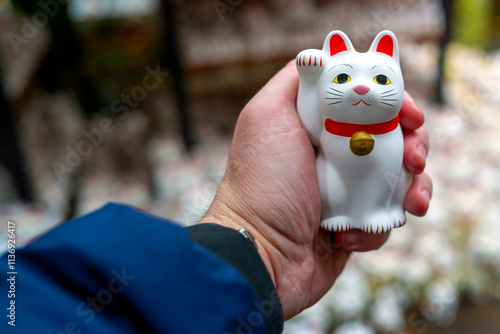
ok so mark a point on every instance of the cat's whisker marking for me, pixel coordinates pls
(388, 104)
(334, 103)
(389, 99)
(333, 93)
(333, 98)
(388, 95)
(388, 91)
(336, 90)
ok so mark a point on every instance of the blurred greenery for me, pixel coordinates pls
(472, 22)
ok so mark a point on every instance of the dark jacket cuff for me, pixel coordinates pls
(240, 252)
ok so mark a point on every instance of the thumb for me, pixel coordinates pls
(280, 91)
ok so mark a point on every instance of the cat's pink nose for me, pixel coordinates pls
(361, 89)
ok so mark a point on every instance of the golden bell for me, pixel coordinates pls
(361, 143)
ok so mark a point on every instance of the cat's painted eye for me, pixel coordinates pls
(342, 78)
(382, 79)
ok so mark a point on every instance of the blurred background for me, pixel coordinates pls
(135, 101)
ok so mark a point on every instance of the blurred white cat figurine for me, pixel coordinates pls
(349, 104)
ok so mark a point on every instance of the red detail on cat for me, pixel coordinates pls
(348, 129)
(386, 45)
(355, 104)
(320, 61)
(310, 60)
(337, 45)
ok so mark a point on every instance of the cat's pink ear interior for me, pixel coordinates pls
(337, 44)
(386, 45)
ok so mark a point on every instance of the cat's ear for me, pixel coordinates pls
(337, 42)
(386, 43)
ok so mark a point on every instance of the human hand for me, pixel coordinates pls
(271, 189)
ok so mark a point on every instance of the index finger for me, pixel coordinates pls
(411, 117)
(356, 240)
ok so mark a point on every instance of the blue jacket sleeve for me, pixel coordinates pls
(118, 270)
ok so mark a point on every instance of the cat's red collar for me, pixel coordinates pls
(348, 129)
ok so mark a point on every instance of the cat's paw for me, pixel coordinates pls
(378, 222)
(383, 225)
(310, 61)
(336, 224)
(377, 227)
(398, 217)
(310, 58)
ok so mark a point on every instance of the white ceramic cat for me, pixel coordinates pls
(349, 104)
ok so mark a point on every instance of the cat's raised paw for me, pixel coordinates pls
(336, 224)
(310, 58)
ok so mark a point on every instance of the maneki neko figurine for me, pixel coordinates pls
(349, 104)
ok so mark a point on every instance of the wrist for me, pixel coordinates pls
(221, 214)
(238, 250)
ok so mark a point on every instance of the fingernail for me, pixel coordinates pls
(426, 194)
(422, 150)
(352, 238)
